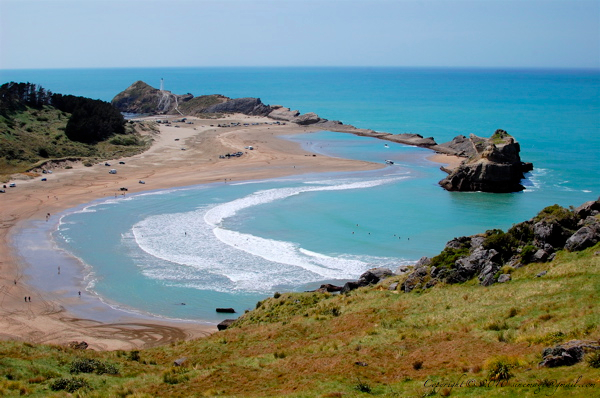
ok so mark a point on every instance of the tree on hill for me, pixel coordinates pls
(91, 120)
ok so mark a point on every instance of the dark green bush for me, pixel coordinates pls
(70, 385)
(86, 365)
(448, 257)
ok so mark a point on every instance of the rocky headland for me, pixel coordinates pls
(491, 164)
(492, 256)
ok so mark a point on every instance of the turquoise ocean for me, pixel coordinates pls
(231, 245)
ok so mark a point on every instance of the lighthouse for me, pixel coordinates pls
(162, 84)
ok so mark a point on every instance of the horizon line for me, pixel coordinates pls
(588, 68)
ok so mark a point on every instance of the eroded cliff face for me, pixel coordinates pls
(493, 165)
(142, 98)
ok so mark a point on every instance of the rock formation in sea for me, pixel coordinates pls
(492, 165)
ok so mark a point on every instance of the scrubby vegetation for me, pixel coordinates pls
(36, 125)
(370, 341)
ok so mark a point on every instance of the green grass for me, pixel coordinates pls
(370, 341)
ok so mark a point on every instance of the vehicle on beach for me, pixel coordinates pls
(112, 171)
(12, 185)
(107, 164)
(121, 162)
(389, 161)
(123, 189)
(2, 191)
(142, 182)
(44, 179)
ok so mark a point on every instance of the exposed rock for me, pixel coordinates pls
(416, 279)
(328, 287)
(76, 345)
(504, 278)
(374, 275)
(225, 324)
(226, 310)
(494, 166)
(568, 353)
(141, 98)
(459, 146)
(280, 113)
(540, 256)
(541, 274)
(306, 119)
(370, 277)
(179, 361)
(393, 286)
(585, 237)
(246, 106)
(411, 139)
(587, 209)
(349, 286)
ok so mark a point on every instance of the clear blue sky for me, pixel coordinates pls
(151, 33)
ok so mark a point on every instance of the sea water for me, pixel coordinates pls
(230, 245)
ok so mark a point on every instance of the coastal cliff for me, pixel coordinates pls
(493, 164)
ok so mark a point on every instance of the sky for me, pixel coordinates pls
(44, 34)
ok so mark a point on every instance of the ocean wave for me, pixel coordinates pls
(191, 249)
(216, 215)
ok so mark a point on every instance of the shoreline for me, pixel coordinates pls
(163, 166)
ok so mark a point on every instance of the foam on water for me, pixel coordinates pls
(204, 255)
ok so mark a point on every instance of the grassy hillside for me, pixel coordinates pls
(368, 342)
(32, 135)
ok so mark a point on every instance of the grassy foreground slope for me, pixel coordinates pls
(370, 341)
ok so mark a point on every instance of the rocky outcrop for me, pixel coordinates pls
(284, 114)
(567, 354)
(491, 256)
(370, 277)
(306, 119)
(494, 164)
(246, 106)
(459, 146)
(142, 98)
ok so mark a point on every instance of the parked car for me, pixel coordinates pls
(12, 185)
(44, 179)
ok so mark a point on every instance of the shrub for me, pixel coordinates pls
(593, 360)
(85, 365)
(499, 368)
(512, 312)
(363, 387)
(527, 253)
(418, 364)
(70, 385)
(134, 355)
(127, 140)
(175, 376)
(448, 257)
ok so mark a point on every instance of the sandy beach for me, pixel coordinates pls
(180, 156)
